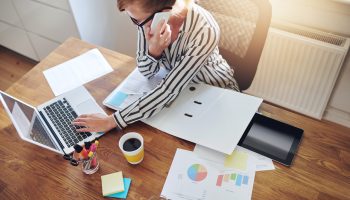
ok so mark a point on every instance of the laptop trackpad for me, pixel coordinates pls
(88, 107)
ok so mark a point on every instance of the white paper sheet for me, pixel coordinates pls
(77, 71)
(261, 162)
(193, 178)
(132, 88)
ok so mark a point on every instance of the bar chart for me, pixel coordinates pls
(234, 178)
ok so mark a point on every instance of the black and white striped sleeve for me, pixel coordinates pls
(147, 65)
(196, 53)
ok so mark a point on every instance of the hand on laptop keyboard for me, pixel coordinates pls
(95, 123)
(61, 114)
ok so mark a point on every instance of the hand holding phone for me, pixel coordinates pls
(158, 17)
(157, 42)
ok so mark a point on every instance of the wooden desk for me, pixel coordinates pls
(321, 170)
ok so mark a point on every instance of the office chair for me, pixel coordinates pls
(244, 25)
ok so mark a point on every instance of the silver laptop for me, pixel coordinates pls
(49, 125)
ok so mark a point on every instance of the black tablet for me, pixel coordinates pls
(274, 139)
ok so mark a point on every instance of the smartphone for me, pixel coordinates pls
(159, 17)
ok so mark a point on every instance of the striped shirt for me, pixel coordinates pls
(192, 57)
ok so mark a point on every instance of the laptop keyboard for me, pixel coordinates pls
(61, 115)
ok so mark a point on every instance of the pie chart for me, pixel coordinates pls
(197, 172)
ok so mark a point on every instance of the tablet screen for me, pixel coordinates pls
(272, 138)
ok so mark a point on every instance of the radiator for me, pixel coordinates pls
(298, 68)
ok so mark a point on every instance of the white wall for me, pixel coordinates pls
(34, 28)
(327, 15)
(330, 16)
(100, 23)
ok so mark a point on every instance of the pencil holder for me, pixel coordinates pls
(91, 165)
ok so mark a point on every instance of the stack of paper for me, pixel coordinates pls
(132, 88)
(114, 185)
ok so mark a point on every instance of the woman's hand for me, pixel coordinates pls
(95, 123)
(158, 39)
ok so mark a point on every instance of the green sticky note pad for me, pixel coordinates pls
(122, 195)
(118, 98)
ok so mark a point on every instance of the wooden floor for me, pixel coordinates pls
(325, 148)
(12, 67)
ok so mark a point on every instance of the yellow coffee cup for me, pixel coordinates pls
(131, 144)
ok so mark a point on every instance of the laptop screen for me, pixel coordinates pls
(27, 122)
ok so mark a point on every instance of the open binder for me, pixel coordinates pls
(207, 115)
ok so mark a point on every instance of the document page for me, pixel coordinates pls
(193, 178)
(77, 71)
(132, 88)
(239, 158)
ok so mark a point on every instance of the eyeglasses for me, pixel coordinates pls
(148, 18)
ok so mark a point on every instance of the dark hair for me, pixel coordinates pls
(149, 5)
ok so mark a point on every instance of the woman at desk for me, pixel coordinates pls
(187, 46)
